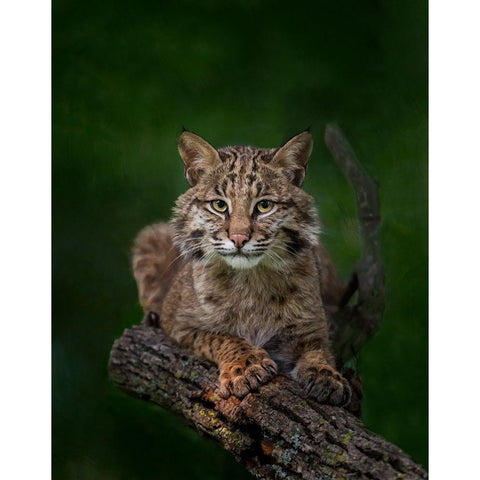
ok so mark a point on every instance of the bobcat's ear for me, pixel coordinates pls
(292, 157)
(198, 156)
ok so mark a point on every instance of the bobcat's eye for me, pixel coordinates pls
(219, 206)
(264, 206)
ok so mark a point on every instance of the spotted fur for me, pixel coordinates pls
(254, 307)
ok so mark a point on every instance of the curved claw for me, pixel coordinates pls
(246, 375)
(325, 385)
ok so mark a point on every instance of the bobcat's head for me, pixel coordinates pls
(245, 206)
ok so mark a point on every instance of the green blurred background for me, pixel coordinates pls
(126, 76)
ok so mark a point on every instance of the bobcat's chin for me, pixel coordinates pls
(241, 261)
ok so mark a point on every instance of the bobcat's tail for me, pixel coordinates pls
(155, 260)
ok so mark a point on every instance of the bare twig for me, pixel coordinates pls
(355, 325)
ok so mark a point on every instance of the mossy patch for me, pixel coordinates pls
(346, 437)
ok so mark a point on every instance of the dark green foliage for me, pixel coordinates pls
(127, 76)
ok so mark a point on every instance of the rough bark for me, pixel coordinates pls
(276, 433)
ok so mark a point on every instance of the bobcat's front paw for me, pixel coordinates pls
(324, 384)
(246, 373)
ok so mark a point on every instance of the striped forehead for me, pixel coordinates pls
(243, 169)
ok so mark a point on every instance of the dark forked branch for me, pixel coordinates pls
(277, 433)
(354, 325)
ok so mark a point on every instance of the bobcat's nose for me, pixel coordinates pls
(239, 239)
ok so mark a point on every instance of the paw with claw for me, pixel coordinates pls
(324, 384)
(246, 373)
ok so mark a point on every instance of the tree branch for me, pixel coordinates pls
(275, 433)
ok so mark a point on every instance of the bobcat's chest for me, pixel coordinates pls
(247, 311)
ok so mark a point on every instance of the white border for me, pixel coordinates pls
(454, 238)
(25, 239)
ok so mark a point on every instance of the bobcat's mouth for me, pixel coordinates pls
(242, 259)
(241, 253)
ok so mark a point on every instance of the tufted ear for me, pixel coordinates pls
(198, 156)
(292, 157)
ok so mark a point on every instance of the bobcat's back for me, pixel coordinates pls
(155, 260)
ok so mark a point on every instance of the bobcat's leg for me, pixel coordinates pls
(243, 367)
(315, 365)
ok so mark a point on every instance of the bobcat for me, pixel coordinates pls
(239, 275)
